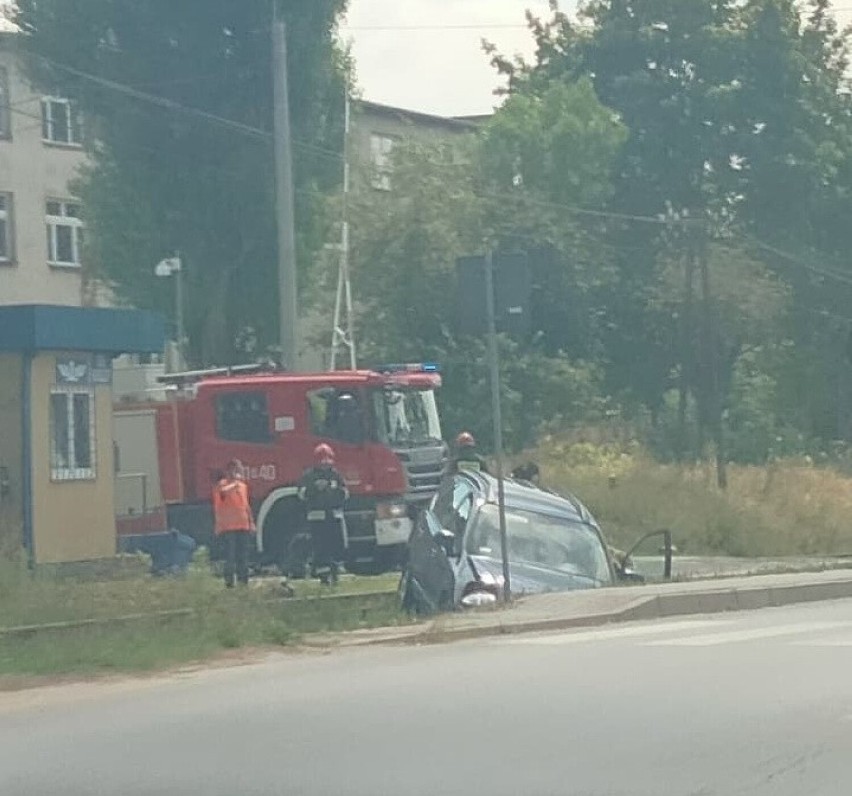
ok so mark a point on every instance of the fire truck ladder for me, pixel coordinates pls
(192, 376)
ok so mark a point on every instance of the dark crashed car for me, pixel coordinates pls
(554, 544)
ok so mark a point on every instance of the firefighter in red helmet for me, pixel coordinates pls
(466, 456)
(324, 494)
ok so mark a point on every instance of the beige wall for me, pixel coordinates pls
(32, 172)
(11, 513)
(369, 120)
(72, 520)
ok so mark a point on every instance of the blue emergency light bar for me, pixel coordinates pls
(411, 367)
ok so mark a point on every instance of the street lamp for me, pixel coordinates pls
(173, 267)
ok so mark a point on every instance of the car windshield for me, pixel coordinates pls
(540, 540)
(406, 417)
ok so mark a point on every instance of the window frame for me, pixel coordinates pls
(72, 472)
(219, 400)
(74, 223)
(381, 159)
(5, 106)
(74, 124)
(329, 396)
(7, 220)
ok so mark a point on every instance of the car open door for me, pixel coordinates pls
(650, 559)
(430, 566)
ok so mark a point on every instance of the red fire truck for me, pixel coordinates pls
(383, 425)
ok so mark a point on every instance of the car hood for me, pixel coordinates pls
(529, 579)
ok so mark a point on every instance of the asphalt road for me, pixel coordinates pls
(751, 703)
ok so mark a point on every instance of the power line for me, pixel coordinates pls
(173, 105)
(414, 28)
(162, 102)
(819, 271)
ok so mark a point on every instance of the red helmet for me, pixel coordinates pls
(324, 454)
(465, 440)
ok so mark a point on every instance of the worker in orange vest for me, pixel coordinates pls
(234, 521)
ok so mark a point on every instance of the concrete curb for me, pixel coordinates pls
(653, 606)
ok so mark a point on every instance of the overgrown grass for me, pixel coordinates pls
(41, 597)
(788, 508)
(232, 621)
(219, 620)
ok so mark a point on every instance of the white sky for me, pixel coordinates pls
(444, 71)
(435, 71)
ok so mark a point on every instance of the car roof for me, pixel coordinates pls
(529, 497)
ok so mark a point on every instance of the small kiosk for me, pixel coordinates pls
(56, 437)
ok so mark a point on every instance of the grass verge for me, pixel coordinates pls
(220, 620)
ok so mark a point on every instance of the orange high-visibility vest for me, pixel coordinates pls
(231, 507)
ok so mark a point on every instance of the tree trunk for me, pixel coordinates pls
(685, 355)
(711, 366)
(214, 333)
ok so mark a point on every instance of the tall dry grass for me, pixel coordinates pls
(788, 508)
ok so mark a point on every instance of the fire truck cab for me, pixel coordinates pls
(383, 424)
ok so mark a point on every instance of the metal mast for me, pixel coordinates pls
(343, 331)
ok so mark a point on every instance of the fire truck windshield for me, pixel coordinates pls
(406, 417)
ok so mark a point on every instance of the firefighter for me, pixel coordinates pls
(324, 492)
(234, 521)
(528, 472)
(466, 456)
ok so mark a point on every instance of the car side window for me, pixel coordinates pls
(462, 505)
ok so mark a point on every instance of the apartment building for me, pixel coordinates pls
(41, 226)
(377, 129)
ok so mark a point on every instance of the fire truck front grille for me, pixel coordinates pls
(424, 468)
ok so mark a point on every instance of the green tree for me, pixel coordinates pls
(164, 178)
(446, 200)
(739, 115)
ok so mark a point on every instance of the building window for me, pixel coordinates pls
(64, 234)
(5, 105)
(60, 122)
(381, 159)
(72, 434)
(7, 252)
(243, 417)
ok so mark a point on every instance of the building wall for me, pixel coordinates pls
(370, 120)
(11, 513)
(33, 171)
(72, 520)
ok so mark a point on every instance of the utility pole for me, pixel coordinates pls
(288, 300)
(343, 331)
(496, 411)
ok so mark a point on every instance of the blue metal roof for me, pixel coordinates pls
(42, 327)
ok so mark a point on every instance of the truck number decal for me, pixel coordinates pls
(264, 472)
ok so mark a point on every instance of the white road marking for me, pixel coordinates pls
(621, 631)
(824, 642)
(754, 634)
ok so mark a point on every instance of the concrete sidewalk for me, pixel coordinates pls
(565, 610)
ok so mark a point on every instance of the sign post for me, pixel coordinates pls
(496, 413)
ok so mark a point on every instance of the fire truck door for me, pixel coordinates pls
(137, 475)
